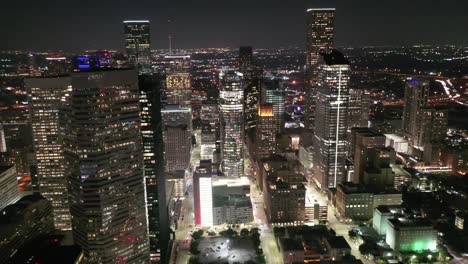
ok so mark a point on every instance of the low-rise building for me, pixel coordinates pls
(381, 215)
(405, 235)
(292, 251)
(357, 202)
(337, 247)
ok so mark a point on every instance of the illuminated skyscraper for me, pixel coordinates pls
(416, 97)
(274, 93)
(266, 131)
(331, 119)
(153, 157)
(231, 122)
(209, 116)
(177, 136)
(104, 166)
(320, 34)
(178, 80)
(46, 96)
(138, 44)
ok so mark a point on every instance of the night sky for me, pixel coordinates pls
(91, 24)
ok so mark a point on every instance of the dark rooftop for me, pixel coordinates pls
(291, 244)
(338, 242)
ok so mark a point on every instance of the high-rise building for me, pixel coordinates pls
(266, 132)
(245, 59)
(320, 38)
(358, 109)
(138, 44)
(3, 146)
(209, 116)
(104, 165)
(153, 159)
(232, 122)
(274, 93)
(46, 95)
(203, 198)
(431, 127)
(331, 119)
(9, 192)
(178, 80)
(177, 135)
(364, 139)
(252, 81)
(416, 97)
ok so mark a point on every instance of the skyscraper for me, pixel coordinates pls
(358, 109)
(209, 116)
(266, 131)
(331, 119)
(320, 37)
(46, 95)
(252, 82)
(178, 80)
(274, 93)
(245, 59)
(104, 165)
(138, 44)
(177, 136)
(231, 104)
(416, 96)
(153, 159)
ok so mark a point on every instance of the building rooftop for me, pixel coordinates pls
(290, 244)
(353, 188)
(406, 222)
(338, 242)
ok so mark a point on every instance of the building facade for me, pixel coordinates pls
(153, 161)
(104, 164)
(46, 98)
(178, 80)
(330, 132)
(138, 44)
(177, 136)
(231, 106)
(9, 192)
(320, 37)
(266, 132)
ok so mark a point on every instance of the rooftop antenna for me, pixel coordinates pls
(170, 37)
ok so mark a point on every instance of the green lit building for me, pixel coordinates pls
(406, 235)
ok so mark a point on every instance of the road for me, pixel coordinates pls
(181, 253)
(341, 228)
(267, 238)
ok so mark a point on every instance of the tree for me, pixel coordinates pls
(228, 233)
(352, 234)
(194, 247)
(244, 232)
(197, 234)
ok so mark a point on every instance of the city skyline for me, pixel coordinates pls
(355, 155)
(395, 23)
